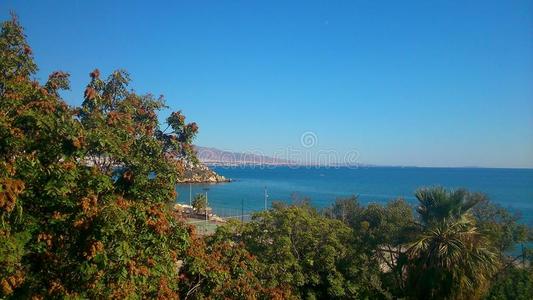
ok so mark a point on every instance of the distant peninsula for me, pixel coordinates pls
(216, 157)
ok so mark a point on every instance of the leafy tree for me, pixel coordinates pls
(392, 224)
(500, 226)
(386, 230)
(383, 230)
(515, 284)
(84, 192)
(314, 256)
(218, 268)
(348, 210)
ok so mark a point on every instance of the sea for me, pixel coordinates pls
(254, 188)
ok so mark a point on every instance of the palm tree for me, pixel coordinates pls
(450, 259)
(199, 203)
(437, 204)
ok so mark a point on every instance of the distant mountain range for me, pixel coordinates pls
(216, 157)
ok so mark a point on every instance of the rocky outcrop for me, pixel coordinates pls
(200, 173)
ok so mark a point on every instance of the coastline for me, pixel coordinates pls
(200, 173)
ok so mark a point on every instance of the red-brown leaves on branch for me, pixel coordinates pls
(27, 50)
(95, 248)
(57, 215)
(158, 220)
(149, 129)
(123, 203)
(112, 117)
(45, 238)
(57, 289)
(164, 292)
(90, 93)
(58, 80)
(82, 223)
(10, 283)
(176, 121)
(95, 74)
(88, 203)
(68, 165)
(11, 189)
(128, 176)
(44, 106)
(193, 127)
(77, 142)
(141, 270)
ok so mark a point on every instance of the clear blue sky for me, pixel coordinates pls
(428, 83)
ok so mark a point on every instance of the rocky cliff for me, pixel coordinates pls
(200, 173)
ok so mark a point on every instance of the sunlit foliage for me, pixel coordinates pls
(85, 191)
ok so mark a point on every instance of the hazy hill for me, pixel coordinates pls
(215, 157)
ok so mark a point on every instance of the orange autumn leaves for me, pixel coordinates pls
(12, 282)
(9, 191)
(158, 219)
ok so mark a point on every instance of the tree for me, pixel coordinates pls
(383, 230)
(84, 191)
(199, 203)
(346, 210)
(450, 259)
(437, 204)
(219, 268)
(514, 283)
(314, 256)
(501, 227)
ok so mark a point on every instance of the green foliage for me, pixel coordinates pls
(450, 261)
(378, 251)
(438, 254)
(438, 204)
(346, 210)
(515, 284)
(199, 203)
(303, 251)
(392, 224)
(218, 268)
(500, 226)
(16, 56)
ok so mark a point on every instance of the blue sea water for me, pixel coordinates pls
(511, 188)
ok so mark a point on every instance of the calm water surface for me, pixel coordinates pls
(512, 188)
